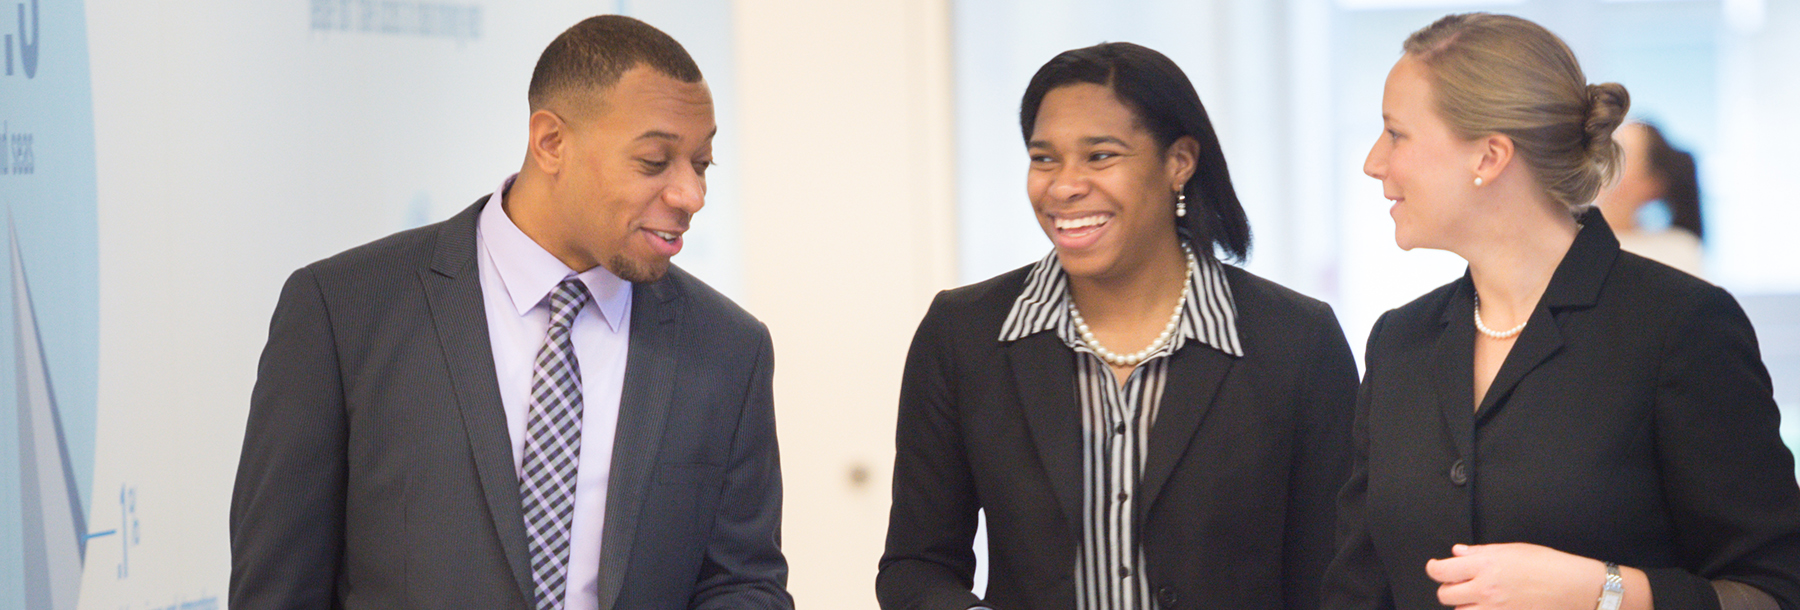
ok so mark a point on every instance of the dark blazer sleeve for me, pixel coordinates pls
(743, 566)
(1321, 460)
(287, 517)
(1727, 477)
(930, 560)
(1356, 579)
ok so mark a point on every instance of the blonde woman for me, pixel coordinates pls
(1567, 426)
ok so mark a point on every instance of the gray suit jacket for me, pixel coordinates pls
(377, 468)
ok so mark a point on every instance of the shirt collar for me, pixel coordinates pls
(1209, 315)
(528, 272)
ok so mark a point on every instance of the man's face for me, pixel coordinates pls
(633, 174)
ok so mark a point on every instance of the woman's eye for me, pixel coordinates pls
(653, 166)
(1041, 159)
(700, 167)
(1393, 135)
(1102, 156)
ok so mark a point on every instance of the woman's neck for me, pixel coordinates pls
(1513, 255)
(1144, 291)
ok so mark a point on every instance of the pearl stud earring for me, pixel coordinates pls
(1478, 181)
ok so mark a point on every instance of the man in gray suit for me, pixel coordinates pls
(526, 405)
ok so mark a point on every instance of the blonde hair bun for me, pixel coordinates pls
(1503, 74)
(1607, 105)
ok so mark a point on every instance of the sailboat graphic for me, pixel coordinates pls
(55, 528)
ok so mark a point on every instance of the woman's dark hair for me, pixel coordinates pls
(1165, 104)
(1675, 169)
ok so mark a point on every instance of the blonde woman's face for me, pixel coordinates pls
(1424, 168)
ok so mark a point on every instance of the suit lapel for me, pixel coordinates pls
(656, 313)
(1194, 376)
(453, 291)
(1452, 365)
(1575, 284)
(1540, 340)
(1044, 370)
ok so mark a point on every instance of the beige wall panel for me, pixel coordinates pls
(848, 232)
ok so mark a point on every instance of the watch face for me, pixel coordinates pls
(1612, 593)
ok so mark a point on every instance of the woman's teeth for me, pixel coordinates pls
(1068, 224)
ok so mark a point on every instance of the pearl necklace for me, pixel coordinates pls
(1135, 358)
(1494, 333)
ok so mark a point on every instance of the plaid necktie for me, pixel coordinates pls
(552, 447)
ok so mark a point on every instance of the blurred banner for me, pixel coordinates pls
(47, 189)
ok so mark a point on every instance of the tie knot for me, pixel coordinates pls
(566, 301)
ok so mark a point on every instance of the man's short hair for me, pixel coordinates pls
(591, 56)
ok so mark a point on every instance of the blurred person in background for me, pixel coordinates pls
(1655, 171)
(1144, 425)
(1567, 426)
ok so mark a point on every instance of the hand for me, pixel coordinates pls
(1516, 575)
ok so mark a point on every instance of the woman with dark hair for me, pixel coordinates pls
(1145, 426)
(1567, 426)
(1652, 170)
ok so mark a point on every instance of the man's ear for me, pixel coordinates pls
(549, 142)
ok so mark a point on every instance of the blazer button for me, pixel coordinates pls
(1459, 473)
(1166, 597)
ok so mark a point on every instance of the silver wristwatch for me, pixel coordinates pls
(1613, 592)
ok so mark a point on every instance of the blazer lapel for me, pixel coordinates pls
(453, 291)
(656, 313)
(1452, 364)
(1575, 284)
(1540, 340)
(1194, 376)
(1044, 370)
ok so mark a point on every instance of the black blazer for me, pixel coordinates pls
(377, 469)
(1244, 459)
(1633, 422)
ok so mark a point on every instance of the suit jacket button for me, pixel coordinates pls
(1166, 597)
(1459, 473)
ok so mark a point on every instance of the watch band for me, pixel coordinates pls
(1612, 593)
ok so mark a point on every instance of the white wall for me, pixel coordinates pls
(847, 233)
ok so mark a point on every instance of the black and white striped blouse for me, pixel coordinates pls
(1116, 420)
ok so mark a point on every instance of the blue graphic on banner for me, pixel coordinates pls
(47, 193)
